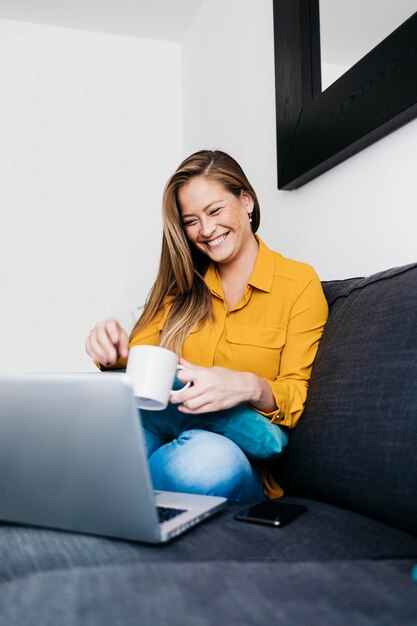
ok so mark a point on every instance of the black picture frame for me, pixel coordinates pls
(317, 130)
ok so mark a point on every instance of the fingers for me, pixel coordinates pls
(103, 341)
(201, 389)
(107, 342)
(213, 389)
(189, 373)
(186, 363)
(112, 328)
(192, 399)
(119, 337)
(205, 408)
(123, 345)
(199, 402)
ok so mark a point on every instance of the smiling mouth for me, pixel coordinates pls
(216, 242)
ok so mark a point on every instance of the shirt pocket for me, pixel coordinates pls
(257, 349)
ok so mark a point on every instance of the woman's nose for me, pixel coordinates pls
(207, 228)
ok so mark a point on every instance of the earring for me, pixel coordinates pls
(250, 216)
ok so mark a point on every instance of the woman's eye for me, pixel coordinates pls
(190, 223)
(214, 211)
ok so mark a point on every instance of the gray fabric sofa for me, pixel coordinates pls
(352, 460)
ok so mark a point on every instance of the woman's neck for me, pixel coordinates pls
(240, 269)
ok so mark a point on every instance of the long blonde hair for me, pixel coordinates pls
(182, 266)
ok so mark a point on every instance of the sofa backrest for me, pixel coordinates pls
(356, 443)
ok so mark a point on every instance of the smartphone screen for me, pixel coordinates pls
(271, 513)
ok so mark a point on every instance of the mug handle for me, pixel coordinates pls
(174, 391)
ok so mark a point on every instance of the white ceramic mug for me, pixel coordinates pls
(152, 370)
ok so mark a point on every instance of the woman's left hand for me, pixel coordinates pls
(213, 388)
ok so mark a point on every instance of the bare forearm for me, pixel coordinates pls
(260, 394)
(217, 388)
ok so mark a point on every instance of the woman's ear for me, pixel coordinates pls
(248, 201)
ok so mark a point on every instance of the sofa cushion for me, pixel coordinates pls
(356, 444)
(336, 593)
(325, 532)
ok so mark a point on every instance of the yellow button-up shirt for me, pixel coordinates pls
(273, 331)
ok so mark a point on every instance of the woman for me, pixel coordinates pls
(245, 321)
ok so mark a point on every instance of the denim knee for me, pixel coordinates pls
(200, 461)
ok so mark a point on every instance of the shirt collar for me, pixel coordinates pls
(261, 277)
(213, 281)
(263, 271)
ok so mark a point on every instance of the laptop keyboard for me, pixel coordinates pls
(165, 513)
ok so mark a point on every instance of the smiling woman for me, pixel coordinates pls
(246, 322)
(218, 223)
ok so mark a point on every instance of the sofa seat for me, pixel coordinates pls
(304, 593)
(138, 589)
(324, 533)
(334, 565)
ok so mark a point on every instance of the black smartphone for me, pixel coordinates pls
(271, 513)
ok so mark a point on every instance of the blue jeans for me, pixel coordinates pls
(199, 461)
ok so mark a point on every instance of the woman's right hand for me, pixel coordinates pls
(107, 342)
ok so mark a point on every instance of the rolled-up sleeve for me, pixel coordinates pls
(308, 316)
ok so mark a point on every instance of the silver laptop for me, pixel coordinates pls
(73, 457)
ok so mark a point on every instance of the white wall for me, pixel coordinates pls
(356, 219)
(90, 129)
(330, 72)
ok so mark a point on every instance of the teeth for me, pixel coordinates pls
(216, 242)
